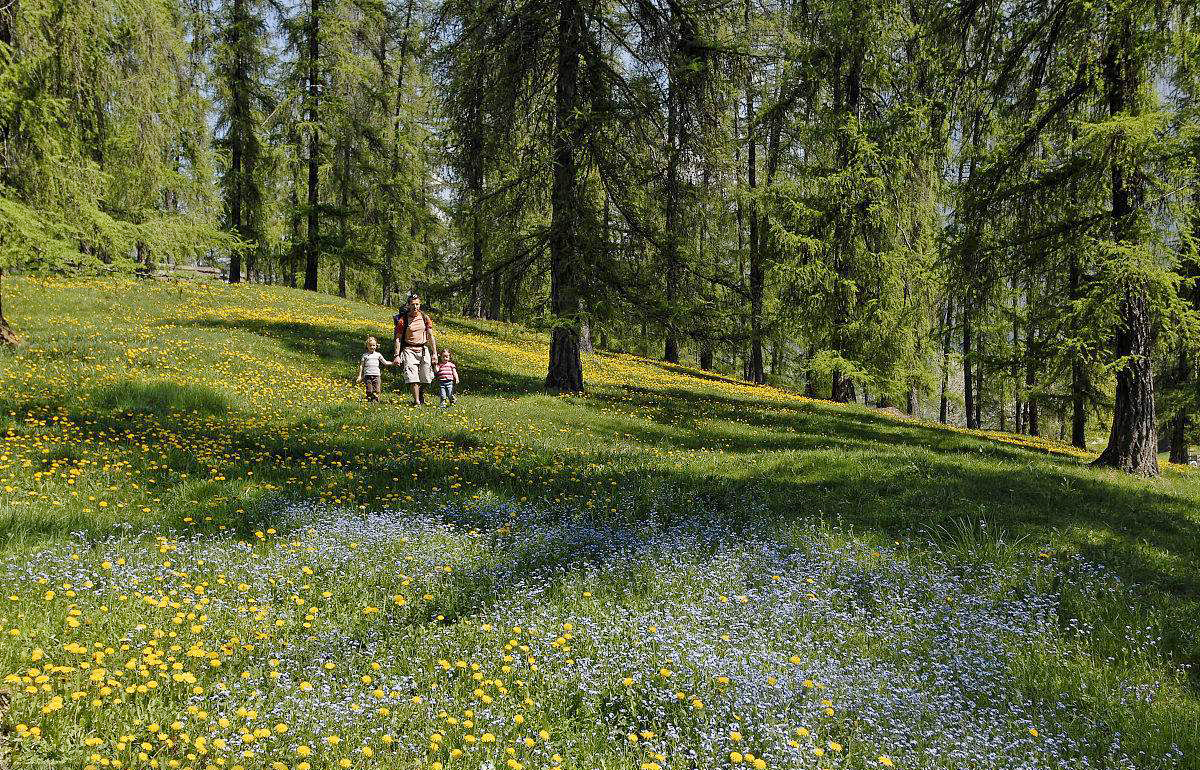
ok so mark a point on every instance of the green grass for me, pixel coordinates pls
(197, 413)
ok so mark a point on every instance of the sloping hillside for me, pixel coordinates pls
(673, 570)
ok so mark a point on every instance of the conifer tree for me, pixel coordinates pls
(243, 98)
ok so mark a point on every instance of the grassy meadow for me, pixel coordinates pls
(214, 555)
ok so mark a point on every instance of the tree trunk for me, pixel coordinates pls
(1179, 423)
(491, 307)
(1018, 402)
(565, 372)
(755, 371)
(474, 308)
(585, 337)
(968, 358)
(671, 213)
(1190, 290)
(1179, 443)
(8, 16)
(1133, 441)
(7, 335)
(1031, 352)
(979, 380)
(947, 333)
(512, 293)
(294, 245)
(706, 343)
(238, 125)
(343, 213)
(1078, 375)
(312, 242)
(235, 202)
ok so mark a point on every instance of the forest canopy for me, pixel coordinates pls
(983, 212)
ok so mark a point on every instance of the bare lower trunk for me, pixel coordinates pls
(235, 209)
(1133, 441)
(474, 308)
(7, 335)
(585, 337)
(979, 383)
(1018, 402)
(1179, 443)
(344, 201)
(491, 306)
(968, 381)
(944, 406)
(1031, 353)
(1078, 376)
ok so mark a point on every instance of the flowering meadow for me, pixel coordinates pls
(215, 555)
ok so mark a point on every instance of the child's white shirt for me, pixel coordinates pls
(371, 363)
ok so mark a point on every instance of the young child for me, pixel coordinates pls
(368, 368)
(447, 376)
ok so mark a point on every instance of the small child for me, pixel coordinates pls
(447, 376)
(368, 368)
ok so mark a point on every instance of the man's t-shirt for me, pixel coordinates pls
(416, 329)
(371, 363)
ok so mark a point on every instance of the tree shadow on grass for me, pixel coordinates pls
(683, 419)
(334, 345)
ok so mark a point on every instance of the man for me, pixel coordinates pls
(414, 347)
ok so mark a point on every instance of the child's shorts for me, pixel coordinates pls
(373, 386)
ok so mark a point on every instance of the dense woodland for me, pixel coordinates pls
(985, 211)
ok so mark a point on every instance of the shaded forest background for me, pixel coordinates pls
(985, 212)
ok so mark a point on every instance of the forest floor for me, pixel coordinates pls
(214, 554)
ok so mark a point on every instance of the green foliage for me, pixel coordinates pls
(105, 154)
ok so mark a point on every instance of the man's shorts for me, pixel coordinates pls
(418, 365)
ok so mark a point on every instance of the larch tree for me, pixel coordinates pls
(243, 97)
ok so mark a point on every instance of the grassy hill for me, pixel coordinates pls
(216, 555)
